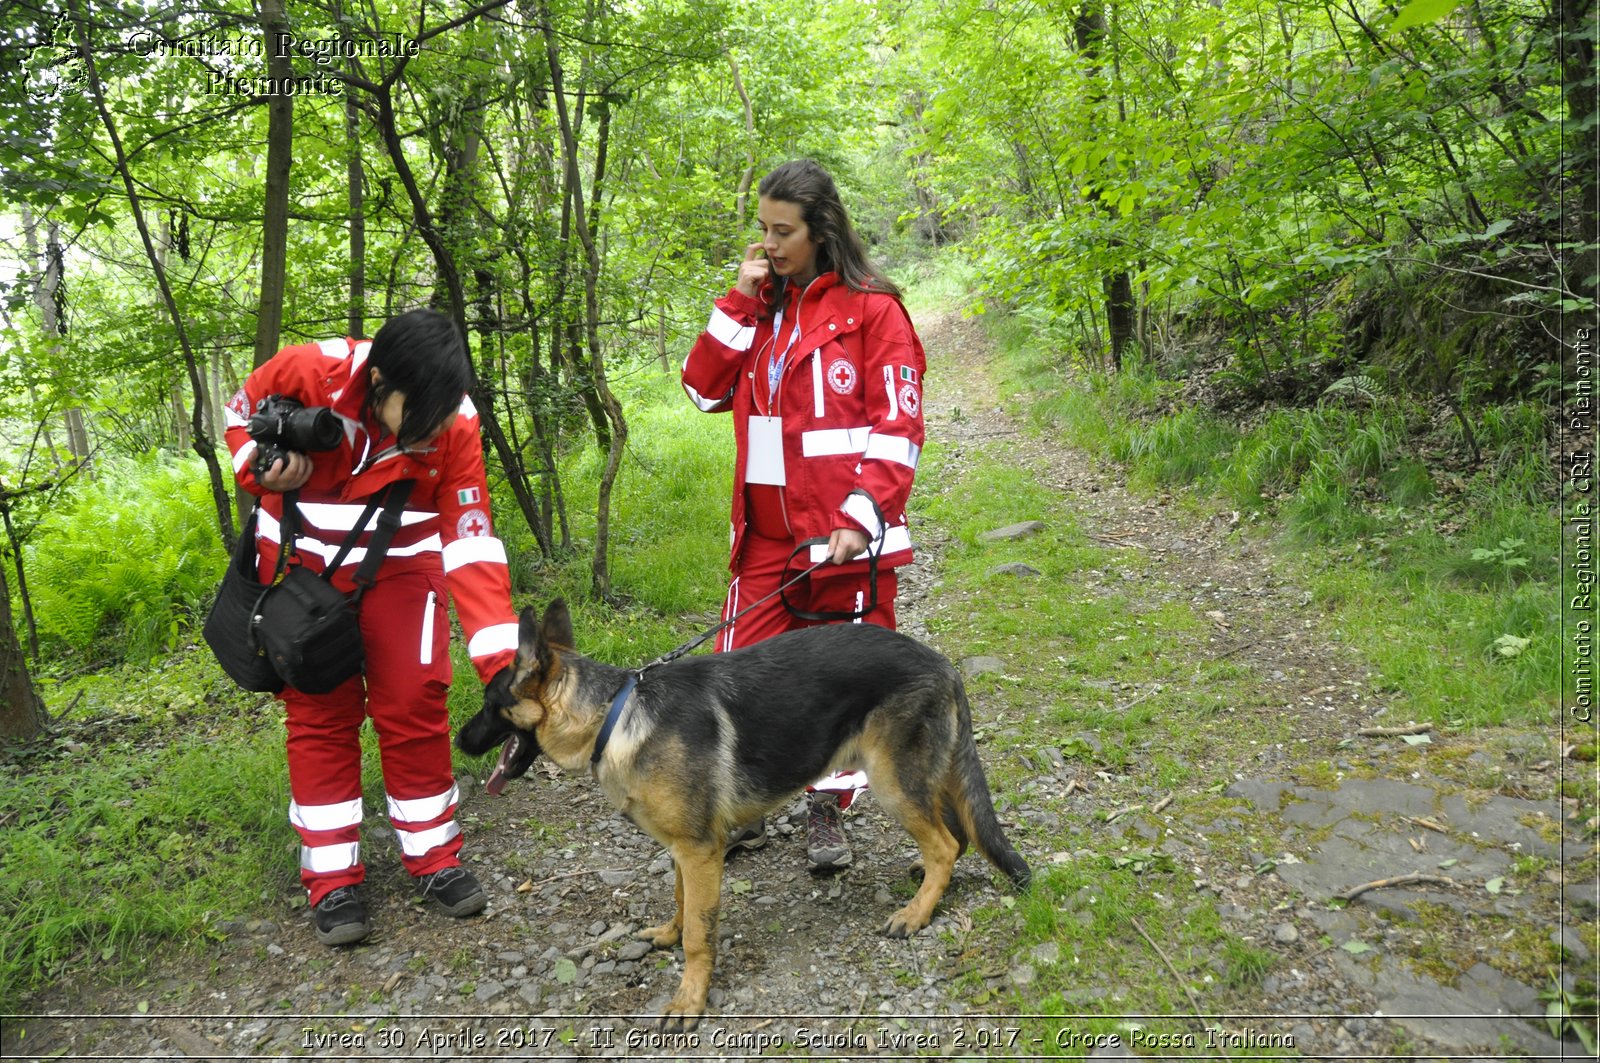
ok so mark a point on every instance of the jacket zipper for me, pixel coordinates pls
(775, 401)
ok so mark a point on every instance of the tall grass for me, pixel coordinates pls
(669, 514)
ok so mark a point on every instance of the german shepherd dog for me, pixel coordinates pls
(705, 743)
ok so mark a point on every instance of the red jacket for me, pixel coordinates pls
(849, 407)
(446, 520)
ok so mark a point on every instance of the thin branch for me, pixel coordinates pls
(1485, 276)
(1398, 880)
(1194, 1001)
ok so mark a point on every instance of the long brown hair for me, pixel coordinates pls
(839, 248)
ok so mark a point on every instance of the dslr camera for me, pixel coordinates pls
(281, 424)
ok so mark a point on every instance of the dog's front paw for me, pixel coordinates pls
(681, 1016)
(664, 936)
(904, 923)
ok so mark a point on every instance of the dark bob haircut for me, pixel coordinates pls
(421, 355)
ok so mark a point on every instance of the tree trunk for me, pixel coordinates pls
(747, 178)
(28, 619)
(455, 293)
(47, 297)
(356, 325)
(600, 587)
(929, 224)
(182, 438)
(202, 442)
(1577, 44)
(1116, 285)
(21, 712)
(1120, 319)
(280, 152)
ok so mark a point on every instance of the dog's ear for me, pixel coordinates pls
(558, 625)
(533, 655)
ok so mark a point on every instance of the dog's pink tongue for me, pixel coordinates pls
(497, 777)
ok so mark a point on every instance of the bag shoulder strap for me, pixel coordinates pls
(288, 530)
(388, 524)
(392, 499)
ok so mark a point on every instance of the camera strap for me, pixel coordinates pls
(388, 523)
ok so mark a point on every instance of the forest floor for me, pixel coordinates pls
(1295, 806)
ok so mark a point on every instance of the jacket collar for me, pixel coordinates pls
(350, 398)
(349, 401)
(821, 283)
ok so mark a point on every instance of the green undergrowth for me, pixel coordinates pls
(1099, 644)
(113, 578)
(1106, 935)
(154, 809)
(1447, 582)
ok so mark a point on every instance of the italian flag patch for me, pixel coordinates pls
(908, 374)
(467, 496)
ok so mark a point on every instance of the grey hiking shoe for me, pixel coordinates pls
(825, 842)
(340, 918)
(750, 836)
(455, 890)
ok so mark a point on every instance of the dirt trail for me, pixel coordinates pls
(552, 969)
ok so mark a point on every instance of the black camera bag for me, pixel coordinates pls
(306, 629)
(230, 626)
(310, 629)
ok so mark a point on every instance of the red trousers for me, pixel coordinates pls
(405, 629)
(760, 571)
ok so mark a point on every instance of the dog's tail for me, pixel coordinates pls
(972, 805)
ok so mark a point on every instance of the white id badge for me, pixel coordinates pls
(764, 452)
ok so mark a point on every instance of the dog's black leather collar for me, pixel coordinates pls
(611, 719)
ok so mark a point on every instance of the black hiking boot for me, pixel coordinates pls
(455, 890)
(340, 918)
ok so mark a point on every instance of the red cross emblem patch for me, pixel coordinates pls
(841, 376)
(472, 523)
(910, 401)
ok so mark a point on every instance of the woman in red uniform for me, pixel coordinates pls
(401, 400)
(816, 358)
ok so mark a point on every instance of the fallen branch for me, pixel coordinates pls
(1123, 812)
(1194, 1001)
(1395, 732)
(1159, 805)
(1152, 692)
(1398, 880)
(1430, 824)
(530, 885)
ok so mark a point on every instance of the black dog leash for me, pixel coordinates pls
(615, 712)
(621, 698)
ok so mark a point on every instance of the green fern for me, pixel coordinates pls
(112, 566)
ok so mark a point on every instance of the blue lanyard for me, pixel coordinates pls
(775, 367)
